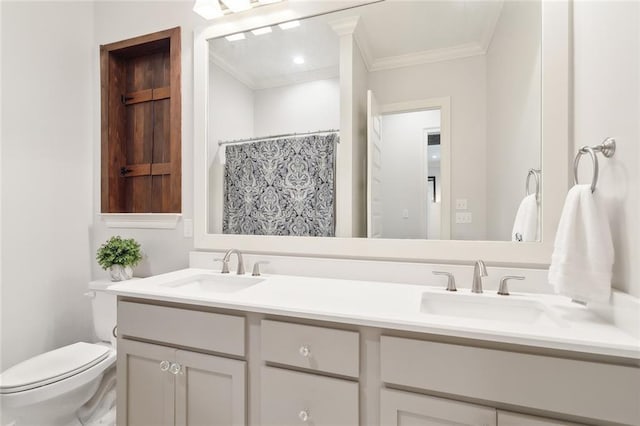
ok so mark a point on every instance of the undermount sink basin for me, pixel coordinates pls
(506, 309)
(214, 283)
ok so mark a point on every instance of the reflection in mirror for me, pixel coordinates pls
(274, 120)
(399, 119)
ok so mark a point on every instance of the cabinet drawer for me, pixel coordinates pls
(293, 398)
(317, 348)
(399, 408)
(183, 327)
(513, 419)
(558, 385)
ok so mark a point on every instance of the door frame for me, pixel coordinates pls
(444, 105)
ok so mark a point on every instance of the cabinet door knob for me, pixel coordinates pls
(304, 415)
(305, 351)
(175, 368)
(164, 365)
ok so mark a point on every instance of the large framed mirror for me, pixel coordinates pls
(433, 130)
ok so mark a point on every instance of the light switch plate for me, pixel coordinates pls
(461, 203)
(405, 213)
(188, 228)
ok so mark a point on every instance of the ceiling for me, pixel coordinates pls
(390, 34)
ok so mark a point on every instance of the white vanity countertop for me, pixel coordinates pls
(394, 306)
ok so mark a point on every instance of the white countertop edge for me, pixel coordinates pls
(436, 329)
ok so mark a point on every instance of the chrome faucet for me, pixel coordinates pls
(479, 271)
(227, 257)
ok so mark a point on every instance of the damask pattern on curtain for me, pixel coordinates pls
(281, 187)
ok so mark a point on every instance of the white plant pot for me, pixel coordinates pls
(120, 273)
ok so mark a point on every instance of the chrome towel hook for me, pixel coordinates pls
(606, 148)
(536, 174)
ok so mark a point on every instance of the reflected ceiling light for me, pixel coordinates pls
(235, 37)
(208, 9)
(289, 25)
(298, 60)
(435, 157)
(268, 1)
(237, 5)
(260, 31)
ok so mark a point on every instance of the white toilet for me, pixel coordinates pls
(50, 388)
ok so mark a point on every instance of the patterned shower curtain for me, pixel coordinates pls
(281, 187)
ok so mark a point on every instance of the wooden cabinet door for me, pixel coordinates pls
(408, 409)
(514, 419)
(146, 393)
(210, 390)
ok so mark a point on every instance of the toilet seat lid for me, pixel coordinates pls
(52, 366)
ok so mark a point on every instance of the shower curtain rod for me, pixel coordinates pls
(295, 135)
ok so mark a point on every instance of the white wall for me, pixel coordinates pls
(513, 112)
(464, 80)
(606, 102)
(231, 116)
(359, 145)
(165, 250)
(403, 173)
(297, 108)
(47, 115)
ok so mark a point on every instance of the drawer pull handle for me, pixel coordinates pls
(164, 365)
(304, 415)
(175, 368)
(305, 351)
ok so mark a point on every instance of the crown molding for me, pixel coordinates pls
(489, 31)
(427, 57)
(232, 70)
(345, 26)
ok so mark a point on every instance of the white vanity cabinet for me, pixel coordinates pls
(296, 397)
(506, 418)
(398, 408)
(162, 384)
(535, 382)
(189, 364)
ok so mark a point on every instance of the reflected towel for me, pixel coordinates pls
(525, 225)
(582, 260)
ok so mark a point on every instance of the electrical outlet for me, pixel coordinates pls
(464, 217)
(461, 203)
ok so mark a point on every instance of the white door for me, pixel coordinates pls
(374, 168)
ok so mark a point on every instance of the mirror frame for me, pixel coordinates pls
(556, 146)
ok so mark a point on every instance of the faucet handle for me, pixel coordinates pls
(451, 280)
(225, 265)
(504, 289)
(256, 267)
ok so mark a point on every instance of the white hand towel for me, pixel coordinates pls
(582, 260)
(525, 225)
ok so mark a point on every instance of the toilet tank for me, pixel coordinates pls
(104, 307)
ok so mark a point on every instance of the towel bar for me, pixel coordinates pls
(607, 148)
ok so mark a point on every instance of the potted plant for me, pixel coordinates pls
(119, 256)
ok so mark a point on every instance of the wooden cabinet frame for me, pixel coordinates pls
(158, 182)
